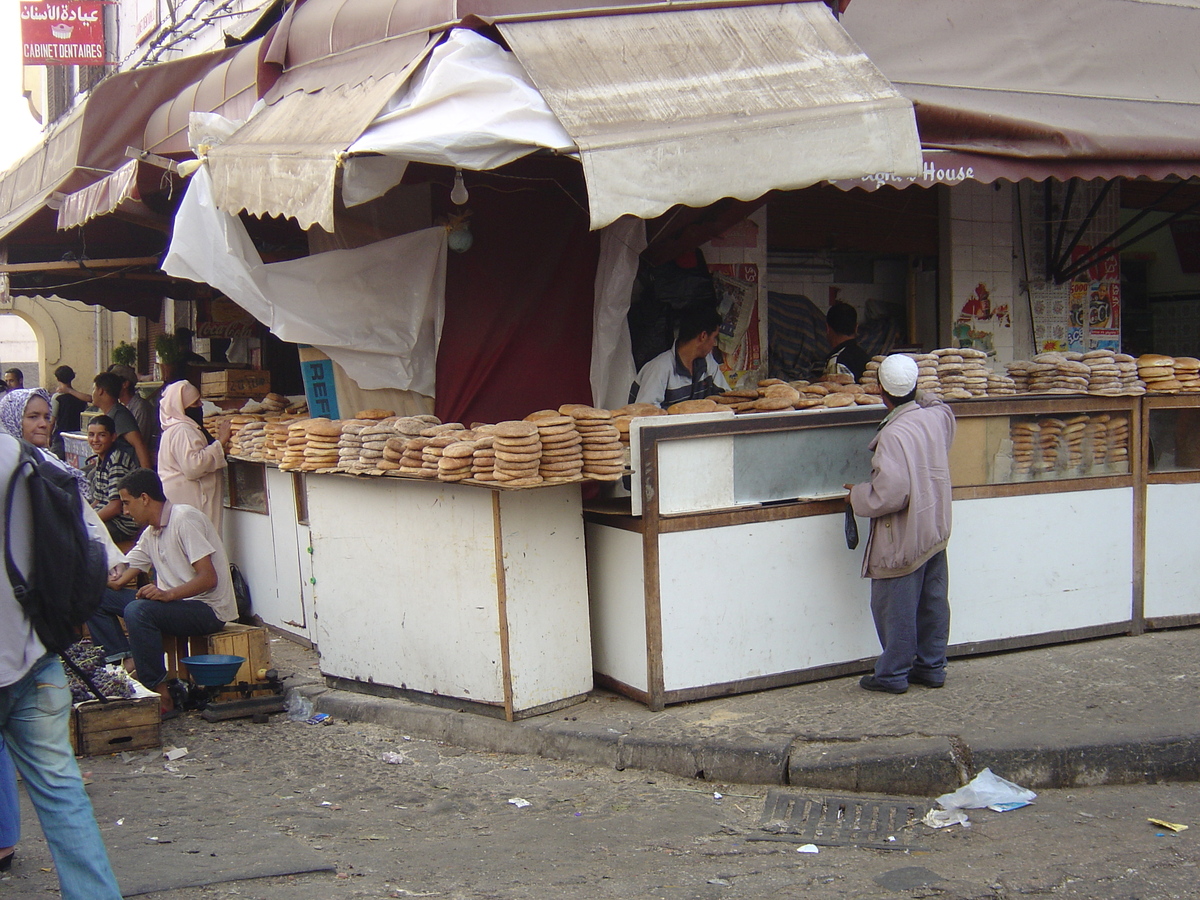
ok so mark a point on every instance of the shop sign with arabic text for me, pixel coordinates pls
(62, 34)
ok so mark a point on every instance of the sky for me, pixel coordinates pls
(19, 131)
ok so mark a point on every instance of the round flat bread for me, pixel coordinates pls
(515, 430)
(559, 441)
(771, 404)
(518, 457)
(544, 414)
(686, 407)
(835, 400)
(558, 433)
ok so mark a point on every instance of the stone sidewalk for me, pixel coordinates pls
(1120, 710)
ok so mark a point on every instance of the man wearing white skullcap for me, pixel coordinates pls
(908, 502)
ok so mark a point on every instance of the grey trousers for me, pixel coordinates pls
(912, 619)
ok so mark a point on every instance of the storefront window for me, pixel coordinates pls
(247, 486)
(1025, 448)
(1174, 440)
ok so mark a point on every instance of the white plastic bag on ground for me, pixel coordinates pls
(988, 790)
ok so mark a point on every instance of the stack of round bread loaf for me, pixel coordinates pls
(603, 453)
(321, 445)
(247, 436)
(274, 403)
(518, 453)
(275, 437)
(436, 439)
(1081, 444)
(483, 458)
(562, 446)
(961, 372)
(1187, 373)
(455, 462)
(350, 446)
(623, 417)
(1168, 374)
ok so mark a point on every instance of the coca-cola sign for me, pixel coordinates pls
(62, 34)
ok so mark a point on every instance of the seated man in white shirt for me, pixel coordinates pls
(193, 593)
(688, 370)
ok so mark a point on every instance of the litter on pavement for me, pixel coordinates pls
(985, 791)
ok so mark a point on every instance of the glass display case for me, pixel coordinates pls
(1173, 434)
(1036, 440)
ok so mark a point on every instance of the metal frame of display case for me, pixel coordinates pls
(1058, 405)
(1148, 478)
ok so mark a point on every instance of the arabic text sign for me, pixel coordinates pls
(62, 34)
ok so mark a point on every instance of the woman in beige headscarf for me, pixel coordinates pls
(189, 460)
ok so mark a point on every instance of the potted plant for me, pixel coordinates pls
(171, 355)
(124, 354)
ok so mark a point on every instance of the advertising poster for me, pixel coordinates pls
(1050, 303)
(739, 341)
(1096, 305)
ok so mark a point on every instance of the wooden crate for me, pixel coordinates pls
(117, 725)
(249, 641)
(235, 383)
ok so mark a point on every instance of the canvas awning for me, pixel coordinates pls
(692, 105)
(100, 198)
(950, 167)
(1074, 88)
(90, 142)
(341, 64)
(230, 89)
(666, 106)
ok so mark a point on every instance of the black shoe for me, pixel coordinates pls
(925, 680)
(7, 861)
(870, 683)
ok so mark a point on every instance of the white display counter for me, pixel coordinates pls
(748, 584)
(458, 594)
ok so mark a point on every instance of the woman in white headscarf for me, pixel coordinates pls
(190, 463)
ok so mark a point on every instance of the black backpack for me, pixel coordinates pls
(70, 570)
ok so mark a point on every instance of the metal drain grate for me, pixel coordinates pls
(842, 821)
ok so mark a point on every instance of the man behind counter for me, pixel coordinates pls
(841, 327)
(688, 371)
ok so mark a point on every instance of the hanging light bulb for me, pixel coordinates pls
(459, 195)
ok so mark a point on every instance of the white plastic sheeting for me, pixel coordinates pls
(612, 369)
(375, 310)
(470, 105)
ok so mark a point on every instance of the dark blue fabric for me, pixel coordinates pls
(912, 619)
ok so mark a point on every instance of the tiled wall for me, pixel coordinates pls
(977, 268)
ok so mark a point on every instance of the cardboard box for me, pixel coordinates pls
(134, 724)
(235, 383)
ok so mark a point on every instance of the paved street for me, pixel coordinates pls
(438, 822)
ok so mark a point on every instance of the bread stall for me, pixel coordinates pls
(437, 563)
(728, 571)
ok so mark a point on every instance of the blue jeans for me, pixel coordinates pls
(33, 717)
(148, 620)
(104, 627)
(10, 807)
(912, 619)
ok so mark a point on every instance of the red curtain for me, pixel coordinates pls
(518, 328)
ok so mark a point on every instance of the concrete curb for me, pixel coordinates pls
(911, 765)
